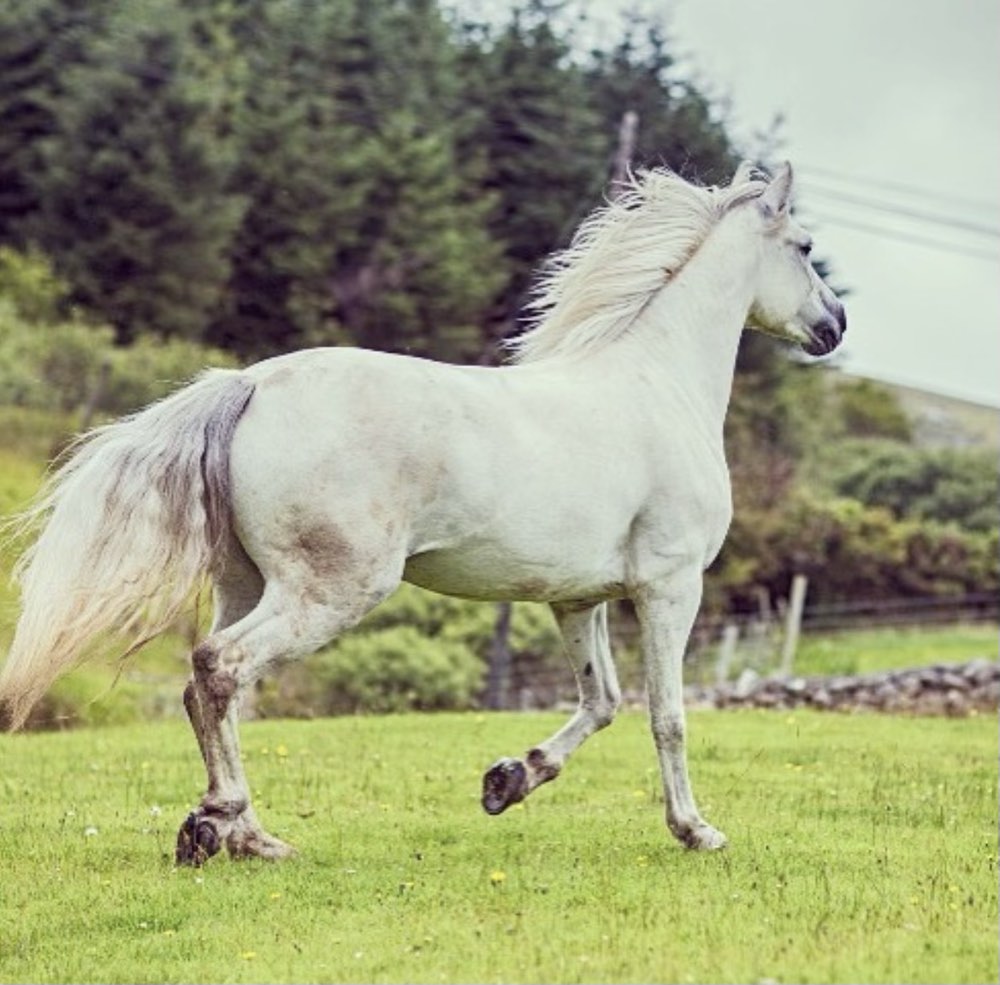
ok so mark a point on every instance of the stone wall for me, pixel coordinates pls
(941, 689)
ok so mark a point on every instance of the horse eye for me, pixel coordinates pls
(805, 248)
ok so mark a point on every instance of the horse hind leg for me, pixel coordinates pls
(237, 591)
(289, 621)
(585, 635)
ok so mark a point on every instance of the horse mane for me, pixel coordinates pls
(622, 254)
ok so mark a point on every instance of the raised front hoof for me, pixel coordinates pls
(505, 783)
(701, 838)
(197, 841)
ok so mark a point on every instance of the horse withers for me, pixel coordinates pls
(306, 487)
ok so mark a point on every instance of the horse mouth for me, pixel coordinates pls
(823, 339)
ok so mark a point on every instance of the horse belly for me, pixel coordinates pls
(487, 574)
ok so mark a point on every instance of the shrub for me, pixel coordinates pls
(51, 359)
(949, 485)
(389, 670)
(848, 551)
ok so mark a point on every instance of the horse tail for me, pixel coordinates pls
(137, 514)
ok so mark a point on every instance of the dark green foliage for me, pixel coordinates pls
(849, 551)
(678, 126)
(397, 669)
(361, 225)
(135, 210)
(869, 410)
(270, 175)
(946, 485)
(52, 359)
(40, 46)
(418, 650)
(546, 151)
(301, 172)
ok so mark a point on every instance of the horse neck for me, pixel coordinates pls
(691, 328)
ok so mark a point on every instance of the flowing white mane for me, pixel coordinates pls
(622, 254)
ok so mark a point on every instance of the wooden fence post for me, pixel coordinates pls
(727, 650)
(793, 623)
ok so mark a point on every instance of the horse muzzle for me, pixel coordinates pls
(827, 333)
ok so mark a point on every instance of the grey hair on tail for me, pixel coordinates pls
(129, 524)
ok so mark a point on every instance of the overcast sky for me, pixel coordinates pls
(894, 104)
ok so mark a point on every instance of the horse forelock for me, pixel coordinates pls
(624, 252)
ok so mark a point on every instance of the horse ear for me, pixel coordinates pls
(743, 173)
(774, 202)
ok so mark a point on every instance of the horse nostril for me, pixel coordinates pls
(837, 310)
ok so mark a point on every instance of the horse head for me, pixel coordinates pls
(791, 300)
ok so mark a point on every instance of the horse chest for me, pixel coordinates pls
(685, 521)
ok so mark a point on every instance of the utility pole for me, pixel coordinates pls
(627, 132)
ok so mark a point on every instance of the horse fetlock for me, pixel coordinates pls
(541, 768)
(604, 711)
(208, 828)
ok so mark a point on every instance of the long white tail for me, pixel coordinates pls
(132, 521)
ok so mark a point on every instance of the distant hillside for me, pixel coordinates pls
(940, 421)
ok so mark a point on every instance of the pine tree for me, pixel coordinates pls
(362, 225)
(542, 142)
(678, 126)
(134, 206)
(40, 44)
(301, 172)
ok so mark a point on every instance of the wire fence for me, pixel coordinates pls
(722, 647)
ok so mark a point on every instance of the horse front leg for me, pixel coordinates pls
(666, 614)
(585, 635)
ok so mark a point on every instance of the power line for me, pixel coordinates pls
(907, 213)
(980, 204)
(889, 233)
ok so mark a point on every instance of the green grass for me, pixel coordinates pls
(868, 650)
(863, 849)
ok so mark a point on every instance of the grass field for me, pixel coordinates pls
(863, 651)
(863, 849)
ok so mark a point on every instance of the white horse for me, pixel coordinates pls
(309, 485)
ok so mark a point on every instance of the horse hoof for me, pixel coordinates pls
(703, 838)
(259, 845)
(505, 783)
(197, 841)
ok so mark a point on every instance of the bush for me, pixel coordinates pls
(848, 551)
(868, 409)
(86, 698)
(53, 360)
(150, 368)
(389, 670)
(949, 485)
(416, 650)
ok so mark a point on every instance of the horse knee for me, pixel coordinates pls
(668, 731)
